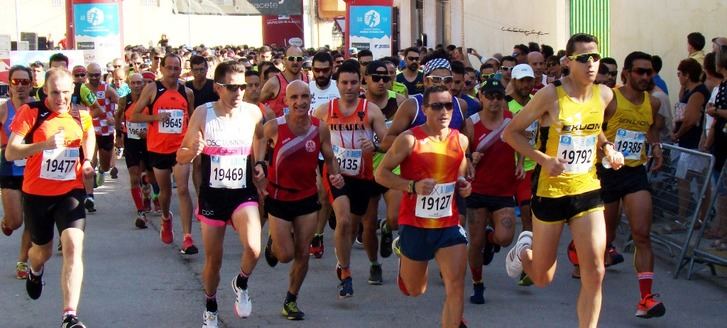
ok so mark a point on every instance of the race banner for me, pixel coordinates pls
(283, 31)
(370, 28)
(98, 31)
(239, 7)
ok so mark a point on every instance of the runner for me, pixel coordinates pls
(252, 94)
(51, 136)
(292, 200)
(410, 76)
(11, 172)
(353, 122)
(170, 104)
(134, 137)
(273, 93)
(103, 121)
(491, 224)
(227, 193)
(433, 164)
(566, 187)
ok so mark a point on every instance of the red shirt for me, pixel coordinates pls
(277, 104)
(292, 172)
(165, 137)
(495, 172)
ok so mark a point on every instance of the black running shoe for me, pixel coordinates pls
(291, 312)
(386, 238)
(488, 253)
(375, 275)
(345, 289)
(34, 285)
(269, 256)
(90, 204)
(114, 173)
(71, 321)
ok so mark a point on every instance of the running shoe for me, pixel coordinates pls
(209, 319)
(524, 281)
(165, 231)
(478, 293)
(650, 307)
(269, 256)
(100, 178)
(90, 204)
(376, 275)
(345, 288)
(396, 247)
(613, 256)
(140, 221)
(114, 173)
(243, 304)
(488, 252)
(291, 312)
(6, 230)
(188, 247)
(358, 242)
(71, 321)
(21, 270)
(34, 285)
(513, 263)
(387, 236)
(316, 246)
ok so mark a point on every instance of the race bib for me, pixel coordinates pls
(630, 143)
(172, 125)
(134, 130)
(438, 204)
(228, 172)
(578, 153)
(349, 160)
(59, 164)
(532, 132)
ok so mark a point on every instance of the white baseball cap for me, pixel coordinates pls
(522, 71)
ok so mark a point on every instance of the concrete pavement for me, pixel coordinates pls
(133, 280)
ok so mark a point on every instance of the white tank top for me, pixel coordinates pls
(321, 96)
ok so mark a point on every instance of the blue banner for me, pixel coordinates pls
(370, 28)
(96, 19)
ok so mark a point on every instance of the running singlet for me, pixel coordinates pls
(56, 171)
(101, 124)
(514, 107)
(165, 137)
(413, 87)
(346, 132)
(495, 172)
(389, 110)
(133, 130)
(277, 104)
(439, 160)
(457, 121)
(226, 157)
(574, 137)
(300, 152)
(628, 127)
(320, 96)
(9, 168)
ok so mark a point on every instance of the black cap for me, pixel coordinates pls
(492, 86)
(374, 66)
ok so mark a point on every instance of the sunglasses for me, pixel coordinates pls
(642, 71)
(506, 68)
(321, 70)
(439, 106)
(339, 62)
(379, 77)
(416, 59)
(585, 58)
(468, 83)
(295, 58)
(487, 76)
(233, 87)
(494, 96)
(80, 75)
(440, 79)
(94, 75)
(24, 82)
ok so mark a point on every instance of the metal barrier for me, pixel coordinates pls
(678, 191)
(703, 252)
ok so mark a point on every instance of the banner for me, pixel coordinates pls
(239, 7)
(283, 31)
(98, 31)
(370, 28)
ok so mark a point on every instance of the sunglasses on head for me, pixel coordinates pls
(439, 106)
(379, 77)
(642, 71)
(440, 79)
(295, 58)
(584, 58)
(232, 87)
(24, 82)
(321, 70)
(494, 96)
(416, 59)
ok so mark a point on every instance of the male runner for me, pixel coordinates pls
(103, 120)
(432, 159)
(59, 143)
(570, 115)
(410, 76)
(203, 90)
(227, 134)
(273, 92)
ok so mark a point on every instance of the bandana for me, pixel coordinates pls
(435, 64)
(149, 76)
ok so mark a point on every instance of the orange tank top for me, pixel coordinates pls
(165, 137)
(347, 133)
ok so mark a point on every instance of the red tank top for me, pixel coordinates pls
(439, 160)
(101, 123)
(495, 172)
(165, 137)
(346, 135)
(277, 104)
(292, 169)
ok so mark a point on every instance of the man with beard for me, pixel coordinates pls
(273, 93)
(411, 76)
(252, 94)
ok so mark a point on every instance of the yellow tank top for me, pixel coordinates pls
(573, 137)
(628, 127)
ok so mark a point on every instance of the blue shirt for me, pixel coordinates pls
(659, 82)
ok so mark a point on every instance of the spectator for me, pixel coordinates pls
(695, 44)
(657, 63)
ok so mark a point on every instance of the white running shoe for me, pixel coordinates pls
(513, 263)
(209, 319)
(243, 304)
